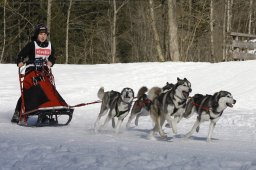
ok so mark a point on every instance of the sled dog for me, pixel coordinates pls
(208, 108)
(142, 105)
(168, 106)
(115, 104)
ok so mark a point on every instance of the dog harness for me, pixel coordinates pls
(119, 113)
(114, 95)
(144, 102)
(208, 109)
(200, 106)
(183, 101)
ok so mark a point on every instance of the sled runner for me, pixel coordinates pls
(41, 104)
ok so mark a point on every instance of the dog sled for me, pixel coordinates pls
(41, 104)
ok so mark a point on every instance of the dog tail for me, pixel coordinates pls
(142, 91)
(154, 92)
(101, 93)
(188, 112)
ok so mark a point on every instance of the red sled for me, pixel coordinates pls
(41, 103)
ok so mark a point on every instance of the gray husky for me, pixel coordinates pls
(115, 104)
(169, 105)
(142, 105)
(209, 108)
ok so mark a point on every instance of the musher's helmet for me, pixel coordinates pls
(38, 29)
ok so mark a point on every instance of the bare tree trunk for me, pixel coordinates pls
(250, 17)
(254, 14)
(19, 32)
(211, 30)
(190, 12)
(224, 51)
(229, 18)
(173, 31)
(229, 15)
(49, 16)
(185, 38)
(153, 23)
(165, 44)
(116, 10)
(4, 32)
(67, 29)
(114, 34)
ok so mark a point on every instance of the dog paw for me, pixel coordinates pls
(128, 125)
(174, 131)
(163, 135)
(96, 130)
(151, 137)
(167, 125)
(116, 131)
(208, 140)
(187, 136)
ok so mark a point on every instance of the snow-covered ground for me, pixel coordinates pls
(77, 146)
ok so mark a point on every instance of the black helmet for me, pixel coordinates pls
(39, 28)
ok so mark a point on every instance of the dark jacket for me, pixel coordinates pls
(29, 51)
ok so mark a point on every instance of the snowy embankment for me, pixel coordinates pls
(77, 146)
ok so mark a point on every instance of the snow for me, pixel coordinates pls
(77, 146)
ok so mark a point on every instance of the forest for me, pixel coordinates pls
(126, 31)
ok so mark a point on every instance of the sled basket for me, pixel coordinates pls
(41, 104)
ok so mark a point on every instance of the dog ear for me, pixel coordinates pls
(216, 97)
(178, 79)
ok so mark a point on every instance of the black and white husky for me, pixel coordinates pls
(142, 105)
(115, 104)
(169, 106)
(209, 108)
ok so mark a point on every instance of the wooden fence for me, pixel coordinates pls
(241, 45)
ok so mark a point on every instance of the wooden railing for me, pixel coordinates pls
(240, 46)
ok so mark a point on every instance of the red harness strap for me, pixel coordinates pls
(84, 104)
(143, 103)
(203, 107)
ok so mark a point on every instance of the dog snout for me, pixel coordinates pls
(190, 90)
(234, 101)
(127, 94)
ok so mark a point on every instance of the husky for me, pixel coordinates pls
(115, 104)
(142, 105)
(208, 108)
(169, 106)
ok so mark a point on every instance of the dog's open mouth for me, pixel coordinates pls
(185, 94)
(229, 104)
(127, 99)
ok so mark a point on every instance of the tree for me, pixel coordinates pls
(224, 51)
(4, 32)
(211, 30)
(155, 32)
(173, 33)
(115, 12)
(49, 16)
(250, 17)
(67, 29)
(229, 14)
